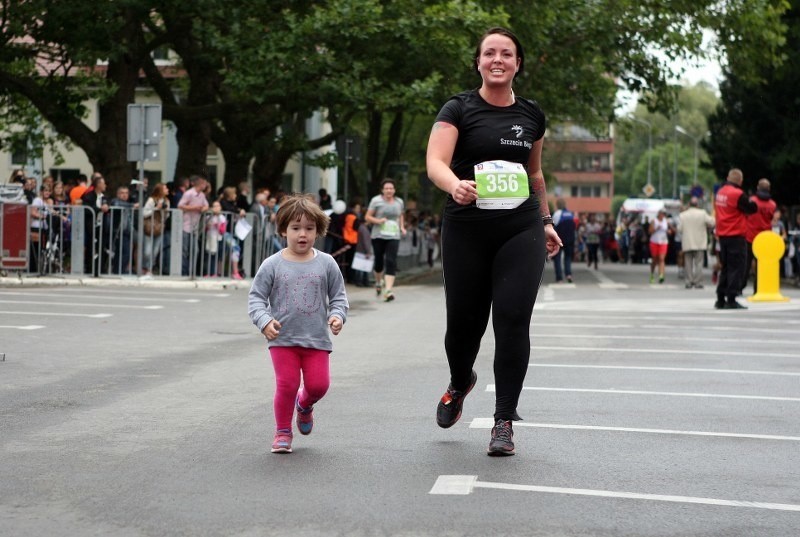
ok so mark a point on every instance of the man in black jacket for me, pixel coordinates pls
(95, 225)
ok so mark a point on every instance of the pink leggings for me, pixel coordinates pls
(288, 363)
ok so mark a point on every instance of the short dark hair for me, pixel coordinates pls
(388, 180)
(509, 34)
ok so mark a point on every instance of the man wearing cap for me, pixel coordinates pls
(759, 221)
(694, 224)
(731, 207)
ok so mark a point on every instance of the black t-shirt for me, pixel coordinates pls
(487, 132)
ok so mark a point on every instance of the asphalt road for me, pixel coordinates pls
(146, 411)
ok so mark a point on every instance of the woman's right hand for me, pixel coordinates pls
(464, 192)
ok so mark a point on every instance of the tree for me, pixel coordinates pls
(252, 72)
(59, 65)
(694, 105)
(755, 127)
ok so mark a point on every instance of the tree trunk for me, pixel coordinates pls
(268, 168)
(193, 138)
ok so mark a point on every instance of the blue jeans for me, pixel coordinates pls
(190, 248)
(566, 253)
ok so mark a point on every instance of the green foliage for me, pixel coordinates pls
(256, 69)
(631, 153)
(756, 126)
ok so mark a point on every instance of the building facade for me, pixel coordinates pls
(66, 163)
(583, 166)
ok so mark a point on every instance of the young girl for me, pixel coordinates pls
(216, 225)
(297, 294)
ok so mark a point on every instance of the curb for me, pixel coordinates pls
(407, 276)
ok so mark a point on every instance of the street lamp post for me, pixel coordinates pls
(660, 177)
(649, 147)
(675, 164)
(683, 131)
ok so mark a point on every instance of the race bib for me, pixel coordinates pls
(390, 228)
(501, 184)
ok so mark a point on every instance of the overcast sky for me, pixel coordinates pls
(707, 71)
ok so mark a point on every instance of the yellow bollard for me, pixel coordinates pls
(768, 248)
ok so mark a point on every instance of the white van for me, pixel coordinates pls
(638, 208)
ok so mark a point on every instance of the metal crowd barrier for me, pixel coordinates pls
(79, 240)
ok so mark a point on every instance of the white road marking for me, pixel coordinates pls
(81, 305)
(664, 351)
(665, 318)
(28, 327)
(102, 297)
(688, 369)
(53, 314)
(491, 388)
(770, 341)
(465, 484)
(140, 291)
(569, 324)
(488, 423)
(663, 327)
(665, 302)
(601, 277)
(757, 329)
(547, 294)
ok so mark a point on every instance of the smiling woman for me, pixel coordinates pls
(485, 151)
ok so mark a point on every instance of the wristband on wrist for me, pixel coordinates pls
(547, 220)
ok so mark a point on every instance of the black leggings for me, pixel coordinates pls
(495, 265)
(385, 248)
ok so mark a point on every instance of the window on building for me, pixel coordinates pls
(161, 53)
(19, 158)
(65, 175)
(586, 162)
(287, 182)
(211, 174)
(586, 191)
(212, 152)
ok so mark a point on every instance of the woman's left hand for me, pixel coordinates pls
(552, 241)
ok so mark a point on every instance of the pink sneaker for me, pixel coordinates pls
(282, 442)
(305, 417)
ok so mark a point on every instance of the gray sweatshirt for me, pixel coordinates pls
(302, 296)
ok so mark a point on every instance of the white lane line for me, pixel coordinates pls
(555, 314)
(662, 327)
(664, 351)
(27, 327)
(548, 294)
(53, 314)
(571, 325)
(102, 297)
(488, 423)
(491, 388)
(770, 341)
(80, 304)
(688, 369)
(465, 484)
(139, 291)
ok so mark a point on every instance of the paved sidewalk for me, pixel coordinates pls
(405, 276)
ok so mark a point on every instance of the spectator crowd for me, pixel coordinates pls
(213, 225)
